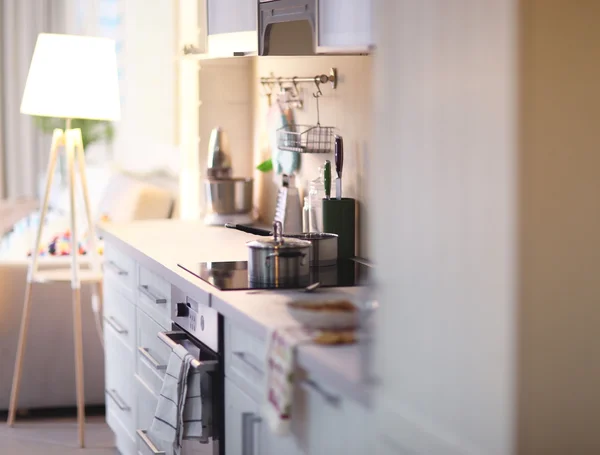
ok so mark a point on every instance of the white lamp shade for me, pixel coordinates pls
(72, 77)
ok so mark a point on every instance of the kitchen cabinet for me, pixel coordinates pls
(218, 28)
(326, 422)
(247, 429)
(323, 26)
(343, 26)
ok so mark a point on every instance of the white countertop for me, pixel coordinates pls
(161, 245)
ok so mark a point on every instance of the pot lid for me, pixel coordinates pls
(278, 241)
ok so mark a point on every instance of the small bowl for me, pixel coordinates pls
(331, 314)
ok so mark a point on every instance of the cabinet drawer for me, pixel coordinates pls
(146, 401)
(154, 295)
(124, 440)
(245, 359)
(152, 354)
(119, 314)
(119, 380)
(326, 422)
(120, 267)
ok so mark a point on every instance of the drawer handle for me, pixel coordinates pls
(115, 325)
(115, 268)
(145, 289)
(249, 419)
(152, 360)
(309, 384)
(144, 437)
(112, 393)
(245, 358)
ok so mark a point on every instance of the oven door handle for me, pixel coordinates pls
(167, 338)
(144, 437)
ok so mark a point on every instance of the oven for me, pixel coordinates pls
(200, 329)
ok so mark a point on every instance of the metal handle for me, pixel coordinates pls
(113, 394)
(243, 356)
(248, 229)
(248, 421)
(144, 437)
(152, 360)
(115, 325)
(309, 384)
(278, 231)
(118, 270)
(145, 289)
(204, 365)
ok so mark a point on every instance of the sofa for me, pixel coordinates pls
(48, 379)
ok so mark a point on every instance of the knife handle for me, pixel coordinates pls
(339, 155)
(327, 179)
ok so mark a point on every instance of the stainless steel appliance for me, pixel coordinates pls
(226, 198)
(200, 329)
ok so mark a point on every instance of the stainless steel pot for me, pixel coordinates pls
(278, 261)
(228, 196)
(324, 249)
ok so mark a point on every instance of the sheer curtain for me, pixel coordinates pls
(23, 149)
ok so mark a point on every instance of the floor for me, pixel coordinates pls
(56, 436)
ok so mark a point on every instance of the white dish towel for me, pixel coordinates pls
(184, 409)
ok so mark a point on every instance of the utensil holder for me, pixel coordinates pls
(339, 217)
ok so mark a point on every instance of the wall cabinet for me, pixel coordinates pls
(343, 26)
(219, 28)
(228, 28)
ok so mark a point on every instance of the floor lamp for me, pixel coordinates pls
(69, 77)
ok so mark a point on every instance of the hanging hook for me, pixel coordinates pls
(318, 84)
(296, 98)
(267, 90)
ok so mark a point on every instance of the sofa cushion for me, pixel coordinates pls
(127, 199)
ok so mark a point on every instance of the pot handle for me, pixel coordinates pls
(278, 231)
(285, 254)
(248, 229)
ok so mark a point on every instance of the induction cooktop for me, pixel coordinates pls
(233, 276)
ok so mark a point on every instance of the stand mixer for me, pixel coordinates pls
(228, 199)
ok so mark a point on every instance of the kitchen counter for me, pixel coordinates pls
(161, 245)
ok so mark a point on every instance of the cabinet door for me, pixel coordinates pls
(343, 26)
(242, 422)
(325, 422)
(231, 27)
(230, 16)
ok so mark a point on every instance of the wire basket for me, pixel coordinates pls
(306, 138)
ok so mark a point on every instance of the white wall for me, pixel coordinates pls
(348, 108)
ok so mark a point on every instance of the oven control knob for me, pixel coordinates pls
(182, 310)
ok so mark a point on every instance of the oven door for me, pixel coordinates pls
(210, 363)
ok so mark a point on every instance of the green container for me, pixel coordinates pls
(339, 217)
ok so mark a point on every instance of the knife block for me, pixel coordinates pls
(339, 217)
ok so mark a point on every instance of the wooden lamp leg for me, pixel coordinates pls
(76, 287)
(57, 139)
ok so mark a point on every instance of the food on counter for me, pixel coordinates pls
(333, 314)
(335, 337)
(325, 305)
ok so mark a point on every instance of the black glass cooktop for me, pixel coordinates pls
(233, 276)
